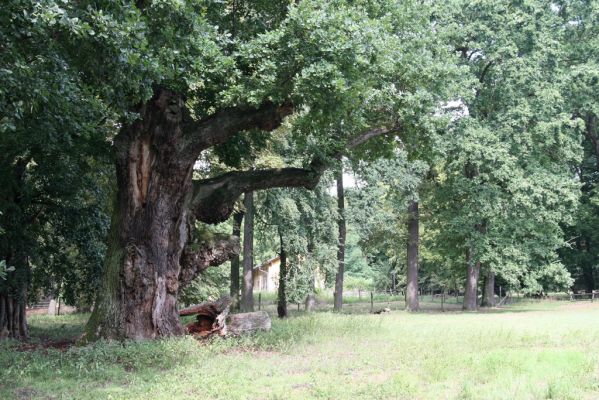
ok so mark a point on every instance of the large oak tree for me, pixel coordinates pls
(176, 80)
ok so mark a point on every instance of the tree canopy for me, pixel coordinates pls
(159, 115)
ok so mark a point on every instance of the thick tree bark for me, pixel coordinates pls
(338, 301)
(488, 297)
(281, 292)
(235, 263)
(149, 228)
(471, 293)
(204, 252)
(247, 295)
(412, 257)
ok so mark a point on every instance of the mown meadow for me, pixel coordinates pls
(543, 350)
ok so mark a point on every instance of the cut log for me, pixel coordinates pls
(213, 318)
(238, 324)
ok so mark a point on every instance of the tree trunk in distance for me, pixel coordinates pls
(338, 301)
(412, 257)
(281, 294)
(247, 295)
(310, 302)
(471, 292)
(235, 263)
(488, 298)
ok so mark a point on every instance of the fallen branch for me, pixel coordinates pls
(213, 318)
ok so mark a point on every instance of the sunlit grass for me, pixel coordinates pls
(533, 351)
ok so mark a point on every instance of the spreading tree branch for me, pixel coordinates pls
(214, 199)
(221, 126)
(197, 257)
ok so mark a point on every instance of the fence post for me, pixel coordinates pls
(371, 302)
(259, 301)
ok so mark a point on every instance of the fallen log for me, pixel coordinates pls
(238, 324)
(213, 318)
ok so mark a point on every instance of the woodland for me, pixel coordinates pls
(154, 152)
(414, 166)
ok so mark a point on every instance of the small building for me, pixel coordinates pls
(266, 275)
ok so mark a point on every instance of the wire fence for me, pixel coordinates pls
(375, 301)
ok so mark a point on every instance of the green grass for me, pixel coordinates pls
(531, 351)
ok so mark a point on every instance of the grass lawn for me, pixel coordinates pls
(529, 351)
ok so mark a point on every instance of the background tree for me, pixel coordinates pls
(581, 65)
(53, 169)
(506, 176)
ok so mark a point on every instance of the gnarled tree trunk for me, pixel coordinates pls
(412, 257)
(152, 251)
(149, 229)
